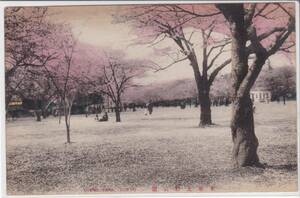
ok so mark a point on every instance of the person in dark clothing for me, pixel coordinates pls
(182, 105)
(150, 108)
(104, 117)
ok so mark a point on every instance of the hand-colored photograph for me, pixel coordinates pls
(151, 98)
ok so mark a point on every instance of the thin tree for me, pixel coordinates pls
(117, 76)
(64, 72)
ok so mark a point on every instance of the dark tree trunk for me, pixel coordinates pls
(38, 115)
(68, 129)
(205, 110)
(44, 113)
(38, 112)
(244, 77)
(59, 112)
(245, 142)
(118, 114)
(67, 114)
(242, 123)
(203, 88)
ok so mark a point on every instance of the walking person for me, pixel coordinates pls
(149, 108)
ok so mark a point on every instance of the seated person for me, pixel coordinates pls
(104, 118)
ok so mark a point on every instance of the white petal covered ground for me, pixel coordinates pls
(164, 152)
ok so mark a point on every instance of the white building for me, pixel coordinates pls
(260, 96)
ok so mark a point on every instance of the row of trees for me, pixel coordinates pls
(44, 62)
(280, 81)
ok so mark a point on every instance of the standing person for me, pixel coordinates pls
(146, 110)
(182, 105)
(86, 111)
(149, 108)
(125, 107)
(133, 107)
(226, 102)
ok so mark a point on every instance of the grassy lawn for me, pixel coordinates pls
(165, 152)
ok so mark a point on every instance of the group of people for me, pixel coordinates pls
(220, 102)
(104, 118)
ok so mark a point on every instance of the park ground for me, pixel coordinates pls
(164, 152)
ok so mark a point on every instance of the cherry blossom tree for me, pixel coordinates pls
(37, 88)
(114, 75)
(268, 28)
(281, 82)
(67, 71)
(178, 23)
(25, 33)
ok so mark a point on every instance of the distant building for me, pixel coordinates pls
(15, 102)
(260, 96)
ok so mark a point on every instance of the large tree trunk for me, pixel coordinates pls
(244, 77)
(245, 142)
(118, 114)
(205, 110)
(242, 123)
(203, 95)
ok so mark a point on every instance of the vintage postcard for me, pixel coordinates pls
(148, 97)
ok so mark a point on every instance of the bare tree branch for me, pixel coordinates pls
(171, 64)
(196, 14)
(217, 70)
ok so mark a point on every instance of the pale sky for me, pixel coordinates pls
(92, 25)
